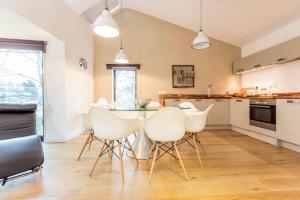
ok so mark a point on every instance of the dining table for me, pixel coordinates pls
(142, 144)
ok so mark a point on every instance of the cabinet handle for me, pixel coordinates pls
(218, 100)
(292, 101)
(259, 106)
(176, 100)
(240, 70)
(198, 99)
(256, 66)
(239, 100)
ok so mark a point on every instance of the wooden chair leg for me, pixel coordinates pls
(86, 142)
(151, 150)
(130, 147)
(202, 147)
(197, 150)
(121, 160)
(91, 140)
(153, 161)
(181, 163)
(111, 154)
(95, 164)
(187, 145)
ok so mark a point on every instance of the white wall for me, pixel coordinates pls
(283, 34)
(283, 78)
(66, 83)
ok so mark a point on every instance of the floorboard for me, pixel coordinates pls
(236, 167)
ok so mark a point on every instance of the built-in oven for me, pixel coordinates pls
(263, 113)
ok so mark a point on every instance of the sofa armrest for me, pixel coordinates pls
(20, 154)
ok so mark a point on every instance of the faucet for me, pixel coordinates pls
(209, 91)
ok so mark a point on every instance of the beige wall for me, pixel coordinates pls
(157, 45)
(66, 84)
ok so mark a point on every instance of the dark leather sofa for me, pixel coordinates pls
(21, 150)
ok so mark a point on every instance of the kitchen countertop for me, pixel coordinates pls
(163, 97)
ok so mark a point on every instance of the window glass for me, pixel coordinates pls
(124, 87)
(21, 80)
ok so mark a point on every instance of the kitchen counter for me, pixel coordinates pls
(163, 97)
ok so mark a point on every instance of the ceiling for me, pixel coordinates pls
(237, 22)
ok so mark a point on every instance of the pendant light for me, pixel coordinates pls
(121, 57)
(201, 41)
(105, 25)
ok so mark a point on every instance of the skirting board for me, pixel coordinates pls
(268, 139)
(217, 127)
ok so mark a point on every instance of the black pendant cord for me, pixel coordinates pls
(106, 5)
(201, 15)
(121, 24)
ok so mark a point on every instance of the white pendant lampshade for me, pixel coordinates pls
(201, 41)
(121, 57)
(105, 25)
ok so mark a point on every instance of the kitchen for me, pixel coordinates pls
(267, 107)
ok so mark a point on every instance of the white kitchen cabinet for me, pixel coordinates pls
(172, 102)
(200, 104)
(239, 113)
(219, 114)
(287, 122)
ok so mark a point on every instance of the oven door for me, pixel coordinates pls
(263, 116)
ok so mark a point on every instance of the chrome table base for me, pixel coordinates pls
(141, 146)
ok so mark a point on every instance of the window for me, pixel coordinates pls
(21, 77)
(124, 86)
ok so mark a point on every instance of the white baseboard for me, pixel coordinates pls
(288, 145)
(61, 138)
(218, 127)
(271, 139)
(259, 136)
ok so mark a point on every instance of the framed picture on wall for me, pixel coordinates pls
(183, 76)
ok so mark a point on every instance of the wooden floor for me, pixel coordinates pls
(236, 167)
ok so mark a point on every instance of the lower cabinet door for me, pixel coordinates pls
(239, 113)
(219, 114)
(288, 120)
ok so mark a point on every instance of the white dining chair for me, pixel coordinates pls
(102, 101)
(83, 112)
(166, 126)
(152, 105)
(195, 124)
(187, 107)
(112, 129)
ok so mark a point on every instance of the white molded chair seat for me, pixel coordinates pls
(167, 125)
(196, 121)
(195, 124)
(83, 111)
(188, 107)
(102, 101)
(152, 105)
(111, 128)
